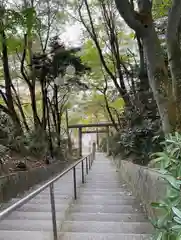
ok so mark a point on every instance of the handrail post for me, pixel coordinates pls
(52, 200)
(89, 162)
(74, 177)
(83, 171)
(93, 149)
(87, 170)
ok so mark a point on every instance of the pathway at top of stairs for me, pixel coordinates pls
(104, 210)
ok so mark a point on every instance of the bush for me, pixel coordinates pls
(33, 143)
(6, 129)
(139, 137)
(168, 225)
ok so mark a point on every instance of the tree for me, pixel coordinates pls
(142, 23)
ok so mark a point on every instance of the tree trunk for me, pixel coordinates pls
(44, 103)
(110, 114)
(19, 105)
(174, 55)
(57, 114)
(8, 83)
(49, 131)
(36, 119)
(158, 78)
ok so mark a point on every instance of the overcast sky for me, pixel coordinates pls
(72, 35)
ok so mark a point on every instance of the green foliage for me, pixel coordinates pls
(137, 137)
(168, 225)
(33, 143)
(7, 130)
(160, 8)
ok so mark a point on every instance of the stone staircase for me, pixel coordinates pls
(104, 210)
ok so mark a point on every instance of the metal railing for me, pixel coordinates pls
(88, 160)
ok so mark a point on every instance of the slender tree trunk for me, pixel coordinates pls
(110, 113)
(49, 132)
(19, 105)
(68, 134)
(44, 104)
(57, 113)
(37, 122)
(8, 83)
(53, 115)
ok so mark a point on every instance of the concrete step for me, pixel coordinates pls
(17, 215)
(100, 236)
(45, 200)
(34, 207)
(104, 208)
(106, 197)
(107, 227)
(108, 201)
(123, 195)
(107, 217)
(105, 190)
(25, 235)
(28, 225)
(104, 187)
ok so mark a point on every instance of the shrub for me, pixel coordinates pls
(168, 225)
(139, 137)
(32, 143)
(6, 129)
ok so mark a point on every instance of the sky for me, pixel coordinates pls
(72, 35)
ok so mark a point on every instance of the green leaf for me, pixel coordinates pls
(178, 236)
(178, 220)
(163, 220)
(29, 18)
(162, 171)
(176, 227)
(174, 183)
(158, 205)
(177, 212)
(159, 236)
(173, 193)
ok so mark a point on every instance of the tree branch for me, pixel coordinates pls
(127, 12)
(23, 61)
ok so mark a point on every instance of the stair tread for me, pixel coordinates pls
(113, 217)
(107, 227)
(102, 236)
(39, 235)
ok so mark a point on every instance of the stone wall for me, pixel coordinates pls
(145, 183)
(19, 182)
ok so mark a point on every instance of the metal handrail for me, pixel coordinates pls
(89, 160)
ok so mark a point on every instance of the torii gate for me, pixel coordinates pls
(81, 126)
